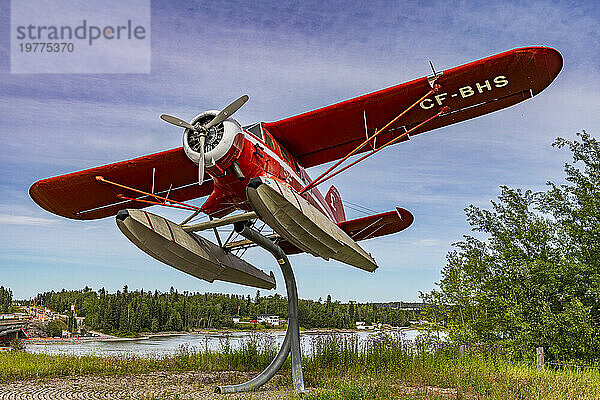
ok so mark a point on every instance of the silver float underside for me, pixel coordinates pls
(167, 242)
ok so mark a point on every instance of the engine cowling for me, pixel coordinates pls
(223, 144)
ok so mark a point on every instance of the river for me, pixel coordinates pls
(167, 345)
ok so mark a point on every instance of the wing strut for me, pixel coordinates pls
(165, 201)
(155, 203)
(323, 177)
(434, 89)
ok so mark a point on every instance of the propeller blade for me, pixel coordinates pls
(201, 160)
(227, 112)
(176, 121)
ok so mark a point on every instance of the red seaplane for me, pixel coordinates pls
(258, 172)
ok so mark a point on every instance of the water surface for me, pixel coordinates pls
(166, 345)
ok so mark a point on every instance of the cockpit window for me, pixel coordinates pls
(269, 141)
(285, 155)
(255, 130)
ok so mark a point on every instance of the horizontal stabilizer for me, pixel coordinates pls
(378, 225)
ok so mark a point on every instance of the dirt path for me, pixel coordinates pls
(155, 385)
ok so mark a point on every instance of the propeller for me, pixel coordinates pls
(227, 112)
(203, 129)
(201, 160)
(176, 121)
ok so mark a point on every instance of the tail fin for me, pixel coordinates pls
(334, 200)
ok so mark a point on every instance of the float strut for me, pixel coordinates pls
(291, 343)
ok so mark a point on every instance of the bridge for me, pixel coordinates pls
(12, 329)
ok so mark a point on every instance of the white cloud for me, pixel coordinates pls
(8, 219)
(427, 242)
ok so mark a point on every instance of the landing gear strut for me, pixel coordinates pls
(291, 343)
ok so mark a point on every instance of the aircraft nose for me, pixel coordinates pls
(122, 215)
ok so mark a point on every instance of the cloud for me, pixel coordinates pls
(427, 242)
(8, 219)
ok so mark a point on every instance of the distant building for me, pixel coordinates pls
(269, 319)
(41, 313)
(18, 316)
(362, 326)
(236, 319)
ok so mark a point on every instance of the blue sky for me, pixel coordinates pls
(289, 58)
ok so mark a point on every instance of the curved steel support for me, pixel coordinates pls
(291, 343)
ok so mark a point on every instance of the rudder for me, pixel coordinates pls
(334, 200)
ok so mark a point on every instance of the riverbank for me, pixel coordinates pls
(97, 336)
(166, 345)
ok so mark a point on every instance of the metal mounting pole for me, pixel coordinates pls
(291, 343)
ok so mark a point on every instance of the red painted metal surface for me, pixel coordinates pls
(398, 138)
(371, 139)
(329, 133)
(334, 200)
(378, 224)
(79, 195)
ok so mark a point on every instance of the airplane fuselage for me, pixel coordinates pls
(260, 155)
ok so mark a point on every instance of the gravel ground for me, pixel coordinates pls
(155, 385)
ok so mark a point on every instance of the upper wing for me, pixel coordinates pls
(79, 195)
(470, 90)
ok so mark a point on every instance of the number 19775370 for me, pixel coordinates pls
(40, 47)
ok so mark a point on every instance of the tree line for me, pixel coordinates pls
(132, 312)
(5, 299)
(529, 276)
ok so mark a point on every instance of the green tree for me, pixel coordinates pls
(128, 312)
(55, 328)
(530, 276)
(5, 299)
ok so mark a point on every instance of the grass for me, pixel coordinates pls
(466, 379)
(388, 367)
(254, 354)
(340, 367)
